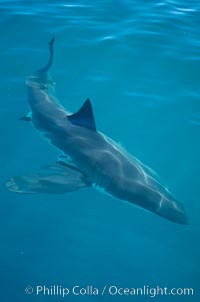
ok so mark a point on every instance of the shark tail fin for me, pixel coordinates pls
(51, 55)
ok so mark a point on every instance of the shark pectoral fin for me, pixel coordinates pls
(66, 160)
(84, 117)
(52, 179)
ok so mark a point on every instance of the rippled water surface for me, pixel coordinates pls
(139, 62)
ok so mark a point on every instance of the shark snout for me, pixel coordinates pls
(173, 210)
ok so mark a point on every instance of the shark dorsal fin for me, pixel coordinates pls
(84, 117)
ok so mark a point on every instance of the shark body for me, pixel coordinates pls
(89, 158)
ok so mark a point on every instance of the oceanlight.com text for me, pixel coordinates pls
(110, 290)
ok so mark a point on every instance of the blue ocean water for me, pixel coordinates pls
(139, 62)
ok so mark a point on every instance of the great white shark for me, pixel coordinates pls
(89, 158)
